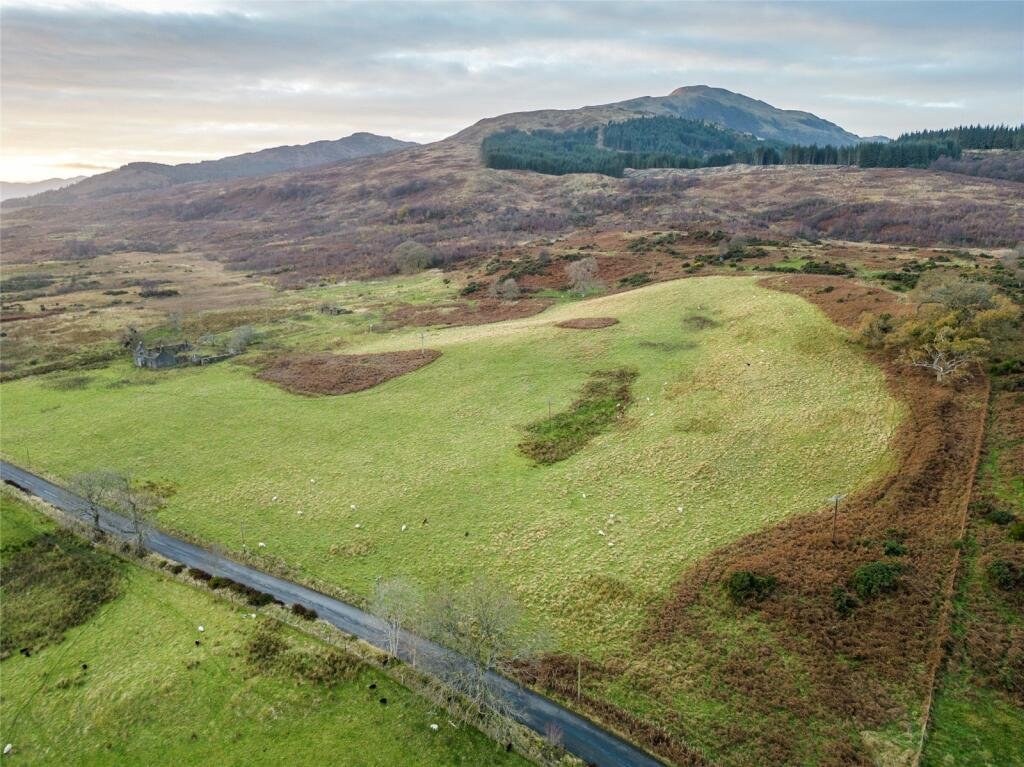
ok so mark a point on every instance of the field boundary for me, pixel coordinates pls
(948, 594)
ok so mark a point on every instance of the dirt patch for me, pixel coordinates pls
(466, 312)
(588, 323)
(862, 669)
(342, 373)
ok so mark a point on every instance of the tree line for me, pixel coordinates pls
(973, 136)
(672, 142)
(902, 154)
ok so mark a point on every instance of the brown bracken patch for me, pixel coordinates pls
(588, 323)
(342, 373)
(466, 313)
(850, 672)
(842, 299)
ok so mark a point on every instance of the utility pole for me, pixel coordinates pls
(423, 348)
(834, 500)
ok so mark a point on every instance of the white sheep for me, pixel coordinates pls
(404, 528)
(201, 629)
(262, 545)
(434, 727)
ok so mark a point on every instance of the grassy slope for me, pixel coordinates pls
(151, 697)
(765, 416)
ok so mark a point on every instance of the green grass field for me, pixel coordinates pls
(150, 696)
(759, 416)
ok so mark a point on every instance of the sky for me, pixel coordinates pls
(88, 86)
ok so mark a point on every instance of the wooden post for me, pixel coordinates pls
(835, 499)
(579, 676)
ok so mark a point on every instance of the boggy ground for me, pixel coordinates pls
(790, 680)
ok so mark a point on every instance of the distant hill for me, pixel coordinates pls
(12, 190)
(695, 102)
(139, 176)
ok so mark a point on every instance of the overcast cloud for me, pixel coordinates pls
(87, 87)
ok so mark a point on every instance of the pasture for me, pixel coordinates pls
(749, 406)
(139, 684)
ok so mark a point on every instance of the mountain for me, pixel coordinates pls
(694, 102)
(349, 218)
(744, 114)
(139, 176)
(12, 190)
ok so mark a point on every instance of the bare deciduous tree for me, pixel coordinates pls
(115, 491)
(483, 624)
(506, 290)
(241, 338)
(96, 487)
(400, 605)
(582, 275)
(947, 356)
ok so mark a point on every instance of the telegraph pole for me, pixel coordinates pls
(834, 500)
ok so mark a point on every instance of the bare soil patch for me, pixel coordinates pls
(467, 312)
(588, 323)
(342, 373)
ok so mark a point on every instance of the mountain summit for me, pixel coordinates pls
(693, 102)
(744, 114)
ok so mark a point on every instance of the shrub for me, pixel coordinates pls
(471, 288)
(265, 645)
(199, 575)
(303, 612)
(259, 598)
(894, 548)
(603, 399)
(875, 578)
(1000, 517)
(635, 280)
(50, 585)
(177, 568)
(744, 586)
(328, 666)
(218, 582)
(1006, 575)
(1017, 531)
(844, 601)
